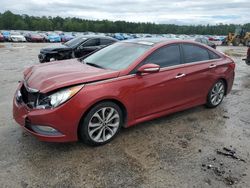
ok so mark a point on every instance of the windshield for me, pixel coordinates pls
(74, 42)
(117, 56)
(15, 33)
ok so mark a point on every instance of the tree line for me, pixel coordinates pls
(10, 21)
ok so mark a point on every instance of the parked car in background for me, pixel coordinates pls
(118, 36)
(217, 40)
(6, 35)
(1, 38)
(34, 37)
(205, 41)
(74, 48)
(16, 37)
(53, 37)
(118, 86)
(44, 36)
(65, 37)
(126, 36)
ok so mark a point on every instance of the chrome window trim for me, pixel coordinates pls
(192, 63)
(161, 70)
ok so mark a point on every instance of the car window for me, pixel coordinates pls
(117, 56)
(165, 56)
(75, 42)
(213, 55)
(193, 53)
(92, 42)
(106, 41)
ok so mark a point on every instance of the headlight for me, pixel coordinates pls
(58, 97)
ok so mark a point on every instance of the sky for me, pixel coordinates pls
(181, 12)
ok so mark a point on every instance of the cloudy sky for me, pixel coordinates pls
(180, 12)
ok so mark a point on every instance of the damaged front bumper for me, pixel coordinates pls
(50, 125)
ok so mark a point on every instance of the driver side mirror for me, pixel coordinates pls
(149, 68)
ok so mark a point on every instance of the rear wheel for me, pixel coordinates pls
(101, 124)
(216, 94)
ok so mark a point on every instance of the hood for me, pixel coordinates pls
(50, 76)
(17, 36)
(56, 47)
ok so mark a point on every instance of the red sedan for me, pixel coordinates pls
(34, 37)
(1, 38)
(119, 86)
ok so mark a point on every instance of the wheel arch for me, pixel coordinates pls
(226, 85)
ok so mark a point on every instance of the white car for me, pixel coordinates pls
(16, 37)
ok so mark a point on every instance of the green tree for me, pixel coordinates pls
(8, 20)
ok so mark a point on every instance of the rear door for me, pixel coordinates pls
(163, 90)
(200, 65)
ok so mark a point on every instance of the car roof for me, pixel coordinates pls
(97, 36)
(157, 40)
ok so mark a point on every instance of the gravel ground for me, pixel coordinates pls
(179, 150)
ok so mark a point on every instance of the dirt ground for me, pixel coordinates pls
(180, 150)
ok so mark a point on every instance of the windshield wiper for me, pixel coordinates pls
(94, 65)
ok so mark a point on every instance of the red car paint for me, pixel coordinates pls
(34, 38)
(1, 38)
(144, 97)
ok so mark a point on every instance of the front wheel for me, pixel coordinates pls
(101, 124)
(216, 94)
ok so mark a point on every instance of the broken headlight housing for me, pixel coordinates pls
(57, 98)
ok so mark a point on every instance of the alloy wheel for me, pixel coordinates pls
(104, 124)
(217, 93)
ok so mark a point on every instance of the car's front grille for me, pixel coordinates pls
(29, 98)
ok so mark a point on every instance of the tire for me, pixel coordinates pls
(101, 132)
(236, 42)
(247, 42)
(45, 60)
(216, 94)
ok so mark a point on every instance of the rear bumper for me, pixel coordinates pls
(230, 81)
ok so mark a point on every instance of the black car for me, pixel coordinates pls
(74, 48)
(205, 41)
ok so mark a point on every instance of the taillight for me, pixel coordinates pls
(232, 65)
(248, 52)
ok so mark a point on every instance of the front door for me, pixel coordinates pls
(165, 89)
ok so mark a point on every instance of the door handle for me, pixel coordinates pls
(212, 66)
(180, 75)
